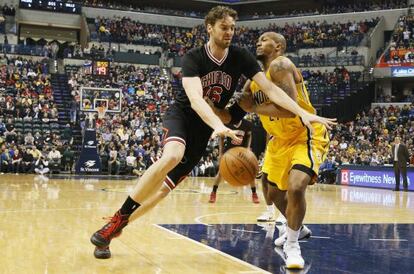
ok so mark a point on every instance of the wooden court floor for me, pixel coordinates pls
(46, 223)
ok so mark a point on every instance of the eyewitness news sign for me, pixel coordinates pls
(378, 177)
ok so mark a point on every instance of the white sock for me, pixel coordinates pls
(292, 235)
(271, 208)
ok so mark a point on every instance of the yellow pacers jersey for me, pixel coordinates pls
(288, 128)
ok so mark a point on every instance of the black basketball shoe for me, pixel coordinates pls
(102, 252)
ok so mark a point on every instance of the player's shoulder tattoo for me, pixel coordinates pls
(281, 64)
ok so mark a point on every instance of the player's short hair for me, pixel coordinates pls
(217, 13)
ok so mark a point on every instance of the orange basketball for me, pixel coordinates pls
(239, 166)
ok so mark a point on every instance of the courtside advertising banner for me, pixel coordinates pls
(89, 161)
(375, 177)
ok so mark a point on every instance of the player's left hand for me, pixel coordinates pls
(308, 119)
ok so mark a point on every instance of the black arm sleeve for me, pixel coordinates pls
(190, 67)
(250, 66)
(236, 113)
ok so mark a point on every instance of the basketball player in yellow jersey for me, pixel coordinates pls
(294, 154)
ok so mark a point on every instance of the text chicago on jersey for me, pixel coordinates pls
(216, 77)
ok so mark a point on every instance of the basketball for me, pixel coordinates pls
(239, 166)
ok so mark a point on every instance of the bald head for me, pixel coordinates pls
(270, 45)
(278, 38)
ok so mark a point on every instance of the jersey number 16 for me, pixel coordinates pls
(213, 93)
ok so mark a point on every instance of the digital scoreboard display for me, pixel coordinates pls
(54, 6)
(100, 67)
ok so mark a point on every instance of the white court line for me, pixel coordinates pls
(257, 269)
(390, 240)
(198, 219)
(320, 237)
(242, 230)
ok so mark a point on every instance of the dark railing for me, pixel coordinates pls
(24, 50)
(306, 61)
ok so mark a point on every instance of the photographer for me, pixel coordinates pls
(41, 165)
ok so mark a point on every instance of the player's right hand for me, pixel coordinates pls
(226, 132)
(308, 118)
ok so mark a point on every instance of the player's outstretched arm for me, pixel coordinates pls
(194, 91)
(247, 103)
(279, 97)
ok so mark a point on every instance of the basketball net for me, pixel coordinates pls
(101, 112)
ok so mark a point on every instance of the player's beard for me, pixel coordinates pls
(224, 44)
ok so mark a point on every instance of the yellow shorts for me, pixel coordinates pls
(281, 156)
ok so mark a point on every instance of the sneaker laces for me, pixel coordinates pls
(113, 222)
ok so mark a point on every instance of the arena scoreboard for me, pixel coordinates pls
(100, 67)
(52, 5)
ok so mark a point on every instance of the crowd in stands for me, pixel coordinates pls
(30, 138)
(178, 40)
(401, 48)
(137, 129)
(135, 6)
(320, 60)
(330, 7)
(129, 141)
(339, 6)
(322, 86)
(368, 139)
(310, 34)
